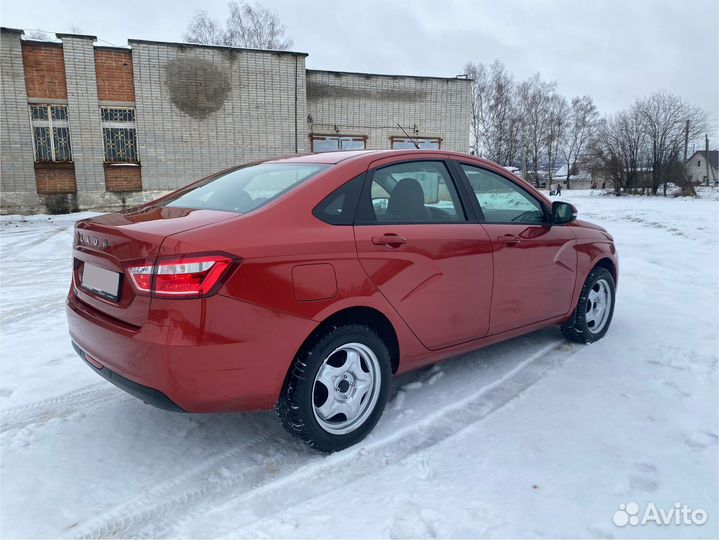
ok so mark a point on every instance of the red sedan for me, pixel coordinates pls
(305, 283)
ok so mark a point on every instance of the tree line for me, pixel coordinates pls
(529, 125)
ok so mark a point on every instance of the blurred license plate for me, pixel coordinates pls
(100, 281)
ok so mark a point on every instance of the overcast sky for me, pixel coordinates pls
(613, 50)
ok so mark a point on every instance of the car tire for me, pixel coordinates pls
(355, 362)
(595, 308)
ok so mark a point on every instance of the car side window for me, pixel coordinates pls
(501, 200)
(338, 208)
(412, 192)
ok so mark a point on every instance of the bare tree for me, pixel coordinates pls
(495, 119)
(557, 121)
(38, 35)
(535, 96)
(250, 26)
(582, 126)
(476, 73)
(205, 30)
(619, 149)
(664, 118)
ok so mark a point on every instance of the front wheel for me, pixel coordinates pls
(595, 308)
(337, 388)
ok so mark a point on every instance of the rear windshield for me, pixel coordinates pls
(246, 189)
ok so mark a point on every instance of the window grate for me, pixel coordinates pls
(424, 143)
(325, 143)
(119, 134)
(50, 133)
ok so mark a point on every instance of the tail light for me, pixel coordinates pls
(189, 276)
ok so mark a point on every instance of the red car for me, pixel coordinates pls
(305, 283)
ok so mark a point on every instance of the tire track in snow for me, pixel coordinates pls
(145, 516)
(641, 222)
(41, 412)
(163, 502)
(41, 309)
(37, 241)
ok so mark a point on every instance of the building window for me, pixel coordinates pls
(322, 143)
(699, 162)
(50, 133)
(119, 135)
(425, 143)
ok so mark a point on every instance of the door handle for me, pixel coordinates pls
(391, 240)
(509, 240)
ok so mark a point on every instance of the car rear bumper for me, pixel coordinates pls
(145, 393)
(213, 355)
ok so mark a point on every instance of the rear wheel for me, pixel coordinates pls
(337, 388)
(595, 308)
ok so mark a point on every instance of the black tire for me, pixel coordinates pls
(295, 406)
(577, 329)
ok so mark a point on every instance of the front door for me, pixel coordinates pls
(535, 263)
(419, 249)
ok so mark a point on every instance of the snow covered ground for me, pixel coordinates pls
(533, 437)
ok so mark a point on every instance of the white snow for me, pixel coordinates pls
(532, 437)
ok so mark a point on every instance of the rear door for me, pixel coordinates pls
(426, 254)
(534, 262)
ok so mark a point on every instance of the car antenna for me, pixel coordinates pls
(410, 138)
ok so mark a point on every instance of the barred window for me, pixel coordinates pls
(119, 135)
(424, 143)
(50, 133)
(323, 143)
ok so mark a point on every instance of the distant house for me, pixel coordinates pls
(697, 167)
(577, 180)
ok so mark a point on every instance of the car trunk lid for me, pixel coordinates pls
(105, 245)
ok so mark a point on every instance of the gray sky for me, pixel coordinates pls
(613, 50)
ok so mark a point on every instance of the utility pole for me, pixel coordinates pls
(706, 156)
(686, 182)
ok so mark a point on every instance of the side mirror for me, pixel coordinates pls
(563, 212)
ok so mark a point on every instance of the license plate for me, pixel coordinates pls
(102, 282)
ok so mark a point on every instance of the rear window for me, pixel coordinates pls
(248, 188)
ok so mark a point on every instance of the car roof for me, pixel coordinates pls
(371, 155)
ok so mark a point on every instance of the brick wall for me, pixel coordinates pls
(114, 75)
(55, 178)
(17, 177)
(202, 109)
(198, 109)
(372, 105)
(44, 66)
(123, 178)
(84, 116)
(44, 70)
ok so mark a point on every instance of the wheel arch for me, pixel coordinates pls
(610, 265)
(372, 317)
